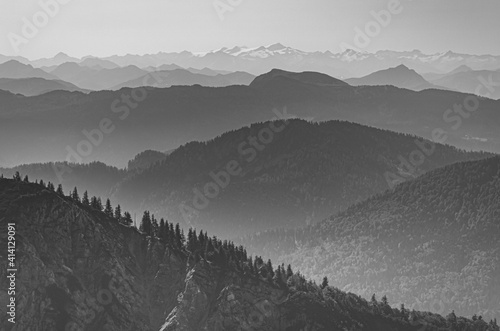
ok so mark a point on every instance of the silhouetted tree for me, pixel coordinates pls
(324, 284)
(85, 199)
(108, 210)
(118, 212)
(127, 218)
(60, 190)
(74, 195)
(17, 176)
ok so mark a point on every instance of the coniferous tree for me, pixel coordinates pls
(178, 236)
(385, 303)
(324, 284)
(162, 230)
(42, 183)
(60, 190)
(289, 272)
(146, 223)
(154, 226)
(171, 233)
(85, 199)
(17, 176)
(26, 180)
(50, 187)
(108, 210)
(100, 207)
(270, 270)
(127, 218)
(74, 195)
(118, 213)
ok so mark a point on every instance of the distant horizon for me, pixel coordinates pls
(31, 59)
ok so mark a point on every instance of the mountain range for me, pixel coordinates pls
(258, 60)
(66, 125)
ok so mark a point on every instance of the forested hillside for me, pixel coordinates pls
(433, 242)
(255, 178)
(89, 270)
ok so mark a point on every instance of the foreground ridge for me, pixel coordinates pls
(83, 269)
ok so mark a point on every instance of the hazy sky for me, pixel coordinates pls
(106, 27)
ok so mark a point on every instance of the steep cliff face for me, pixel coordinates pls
(81, 271)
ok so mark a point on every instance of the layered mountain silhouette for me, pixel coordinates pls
(87, 270)
(258, 60)
(481, 82)
(96, 78)
(35, 86)
(14, 69)
(400, 76)
(53, 125)
(297, 176)
(432, 242)
(186, 77)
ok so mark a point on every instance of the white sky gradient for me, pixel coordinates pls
(107, 27)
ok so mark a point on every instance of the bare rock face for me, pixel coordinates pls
(80, 271)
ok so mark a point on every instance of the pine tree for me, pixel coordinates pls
(270, 269)
(99, 204)
(60, 190)
(75, 195)
(26, 180)
(42, 183)
(324, 284)
(108, 210)
(154, 226)
(289, 272)
(179, 240)
(85, 199)
(385, 302)
(374, 300)
(404, 312)
(118, 213)
(17, 176)
(50, 187)
(127, 218)
(146, 223)
(278, 276)
(163, 230)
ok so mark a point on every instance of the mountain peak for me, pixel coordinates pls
(402, 67)
(276, 47)
(306, 77)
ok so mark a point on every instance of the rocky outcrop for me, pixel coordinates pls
(79, 270)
